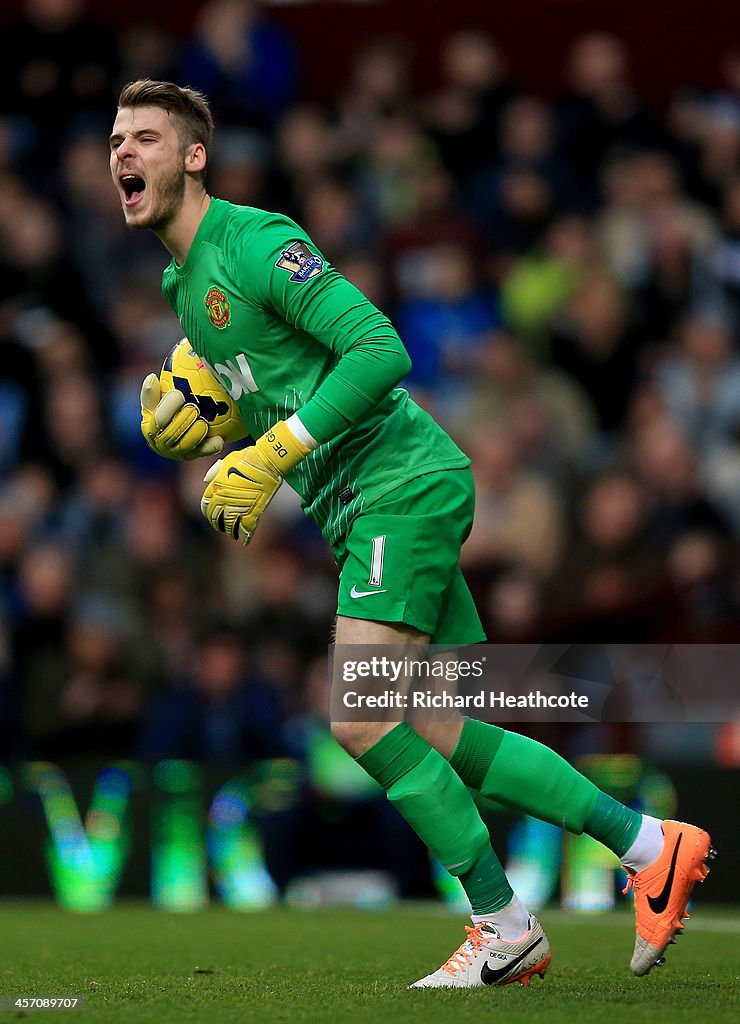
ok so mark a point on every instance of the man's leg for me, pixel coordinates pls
(522, 773)
(435, 801)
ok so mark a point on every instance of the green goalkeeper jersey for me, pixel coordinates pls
(284, 332)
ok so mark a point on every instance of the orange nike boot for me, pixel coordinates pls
(662, 891)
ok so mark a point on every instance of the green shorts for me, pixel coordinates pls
(398, 561)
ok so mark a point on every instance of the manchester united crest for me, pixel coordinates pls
(217, 307)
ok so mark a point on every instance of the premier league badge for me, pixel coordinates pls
(300, 262)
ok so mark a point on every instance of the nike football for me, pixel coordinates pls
(183, 370)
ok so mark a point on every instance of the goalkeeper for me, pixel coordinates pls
(313, 366)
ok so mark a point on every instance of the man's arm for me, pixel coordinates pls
(371, 356)
(371, 361)
(365, 374)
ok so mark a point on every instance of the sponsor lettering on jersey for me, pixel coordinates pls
(236, 377)
(217, 307)
(300, 262)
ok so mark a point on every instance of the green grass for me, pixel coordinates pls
(136, 965)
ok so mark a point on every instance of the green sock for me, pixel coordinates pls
(522, 773)
(433, 799)
(613, 824)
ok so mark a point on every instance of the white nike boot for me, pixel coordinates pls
(486, 959)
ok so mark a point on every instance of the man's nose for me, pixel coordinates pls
(126, 149)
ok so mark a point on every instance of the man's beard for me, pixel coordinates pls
(168, 201)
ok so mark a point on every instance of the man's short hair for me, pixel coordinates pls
(188, 108)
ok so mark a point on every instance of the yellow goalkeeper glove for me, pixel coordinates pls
(172, 427)
(242, 485)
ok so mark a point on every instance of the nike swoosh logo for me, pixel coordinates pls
(660, 902)
(490, 977)
(237, 472)
(354, 592)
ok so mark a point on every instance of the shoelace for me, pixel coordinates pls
(463, 955)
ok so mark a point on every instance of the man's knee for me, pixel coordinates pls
(358, 737)
(442, 734)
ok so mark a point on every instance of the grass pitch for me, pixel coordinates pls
(136, 965)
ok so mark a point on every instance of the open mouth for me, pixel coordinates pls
(133, 188)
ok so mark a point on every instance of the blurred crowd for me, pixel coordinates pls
(565, 273)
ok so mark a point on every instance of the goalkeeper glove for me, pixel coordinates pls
(242, 485)
(172, 427)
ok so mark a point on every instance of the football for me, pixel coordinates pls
(183, 370)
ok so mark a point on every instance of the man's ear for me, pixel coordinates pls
(196, 158)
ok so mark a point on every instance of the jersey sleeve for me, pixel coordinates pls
(288, 275)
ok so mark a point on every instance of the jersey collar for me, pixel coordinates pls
(206, 229)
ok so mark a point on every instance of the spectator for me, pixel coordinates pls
(444, 321)
(595, 344)
(377, 92)
(723, 283)
(335, 219)
(463, 116)
(44, 591)
(536, 287)
(644, 197)
(700, 383)
(514, 608)
(611, 572)
(20, 417)
(220, 713)
(237, 169)
(36, 272)
(701, 605)
(669, 468)
(523, 212)
(305, 151)
(518, 517)
(146, 50)
(60, 67)
(511, 388)
(243, 62)
(91, 704)
(74, 420)
(526, 147)
(436, 214)
(389, 170)
(601, 112)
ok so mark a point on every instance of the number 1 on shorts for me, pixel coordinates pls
(376, 562)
